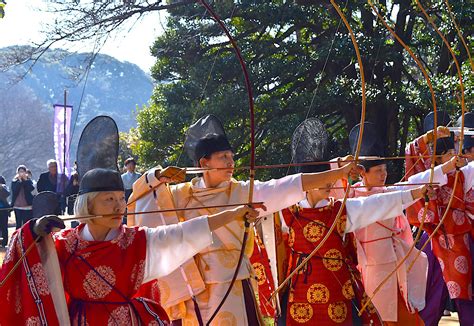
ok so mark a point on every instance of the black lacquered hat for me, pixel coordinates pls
(443, 145)
(371, 144)
(309, 144)
(97, 154)
(204, 137)
(100, 180)
(443, 120)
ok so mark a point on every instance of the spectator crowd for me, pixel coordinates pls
(17, 197)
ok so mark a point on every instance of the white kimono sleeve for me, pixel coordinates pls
(468, 172)
(338, 190)
(363, 211)
(277, 194)
(423, 177)
(169, 246)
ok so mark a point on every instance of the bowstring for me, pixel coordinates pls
(428, 80)
(463, 110)
(313, 98)
(458, 30)
(359, 143)
(206, 83)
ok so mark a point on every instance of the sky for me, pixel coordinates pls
(24, 20)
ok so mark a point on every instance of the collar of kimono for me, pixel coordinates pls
(252, 144)
(322, 203)
(86, 234)
(199, 189)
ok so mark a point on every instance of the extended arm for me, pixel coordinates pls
(169, 246)
(278, 194)
(321, 179)
(363, 211)
(468, 172)
(414, 181)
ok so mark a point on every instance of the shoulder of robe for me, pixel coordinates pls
(65, 234)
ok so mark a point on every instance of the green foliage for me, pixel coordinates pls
(2, 8)
(126, 142)
(302, 63)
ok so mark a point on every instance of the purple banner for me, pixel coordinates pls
(61, 140)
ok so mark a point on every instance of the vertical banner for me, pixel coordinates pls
(61, 140)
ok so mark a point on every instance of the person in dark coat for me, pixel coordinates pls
(71, 192)
(4, 211)
(48, 181)
(22, 197)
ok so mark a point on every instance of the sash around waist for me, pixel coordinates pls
(382, 250)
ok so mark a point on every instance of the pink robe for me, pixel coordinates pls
(380, 247)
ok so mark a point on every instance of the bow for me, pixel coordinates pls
(461, 140)
(420, 229)
(458, 31)
(356, 156)
(425, 210)
(252, 146)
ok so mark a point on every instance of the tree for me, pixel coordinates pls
(126, 143)
(302, 63)
(25, 131)
(76, 22)
(2, 10)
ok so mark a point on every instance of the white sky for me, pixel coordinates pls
(23, 23)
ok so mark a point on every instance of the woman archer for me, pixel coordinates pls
(101, 262)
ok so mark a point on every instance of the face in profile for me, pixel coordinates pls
(445, 157)
(322, 193)
(376, 175)
(110, 204)
(223, 161)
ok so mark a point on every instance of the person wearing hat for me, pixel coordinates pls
(208, 276)
(418, 152)
(325, 291)
(102, 263)
(381, 245)
(450, 254)
(328, 290)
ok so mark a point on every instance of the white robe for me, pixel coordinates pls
(216, 263)
(379, 250)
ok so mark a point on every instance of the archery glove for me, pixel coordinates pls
(173, 173)
(45, 225)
